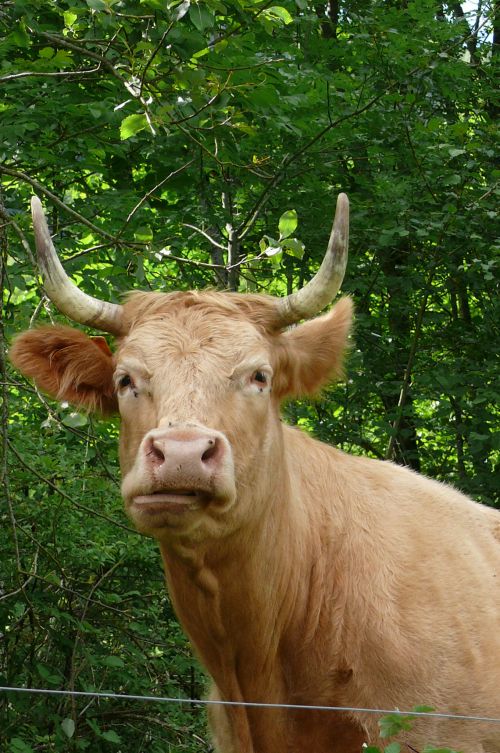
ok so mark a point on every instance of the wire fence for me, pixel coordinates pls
(250, 704)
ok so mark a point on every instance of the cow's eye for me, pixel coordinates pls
(260, 377)
(124, 381)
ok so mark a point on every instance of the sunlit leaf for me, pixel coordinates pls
(287, 223)
(132, 124)
(294, 247)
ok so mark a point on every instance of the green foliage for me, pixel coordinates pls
(166, 138)
(392, 725)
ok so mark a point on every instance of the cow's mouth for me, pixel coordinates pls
(177, 501)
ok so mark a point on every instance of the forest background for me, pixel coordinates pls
(193, 144)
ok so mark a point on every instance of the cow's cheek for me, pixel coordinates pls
(134, 426)
(247, 430)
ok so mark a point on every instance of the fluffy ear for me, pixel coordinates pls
(310, 355)
(68, 365)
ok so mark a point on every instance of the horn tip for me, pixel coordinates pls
(36, 205)
(343, 200)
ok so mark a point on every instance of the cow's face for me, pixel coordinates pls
(194, 387)
(197, 381)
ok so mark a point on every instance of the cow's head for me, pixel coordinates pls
(197, 378)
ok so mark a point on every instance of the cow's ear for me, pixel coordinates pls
(310, 355)
(67, 365)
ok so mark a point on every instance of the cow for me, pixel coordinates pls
(302, 576)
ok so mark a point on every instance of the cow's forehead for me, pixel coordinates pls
(194, 332)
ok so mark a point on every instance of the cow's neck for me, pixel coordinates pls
(232, 595)
(223, 591)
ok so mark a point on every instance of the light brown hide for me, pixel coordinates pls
(325, 579)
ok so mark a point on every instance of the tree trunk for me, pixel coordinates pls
(405, 443)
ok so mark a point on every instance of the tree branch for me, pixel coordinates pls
(41, 189)
(213, 242)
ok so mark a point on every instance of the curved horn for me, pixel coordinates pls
(325, 284)
(69, 299)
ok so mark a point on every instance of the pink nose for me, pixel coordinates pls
(183, 457)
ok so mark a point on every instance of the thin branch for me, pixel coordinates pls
(78, 636)
(417, 161)
(154, 54)
(82, 50)
(484, 195)
(189, 135)
(22, 237)
(39, 187)
(66, 496)
(155, 188)
(194, 262)
(47, 74)
(206, 235)
(59, 587)
(233, 68)
(203, 107)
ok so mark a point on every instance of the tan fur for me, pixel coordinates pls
(259, 309)
(313, 353)
(328, 579)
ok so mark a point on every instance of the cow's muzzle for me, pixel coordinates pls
(179, 469)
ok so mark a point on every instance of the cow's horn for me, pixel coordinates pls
(325, 284)
(69, 299)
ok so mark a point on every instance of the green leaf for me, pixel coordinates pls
(19, 746)
(293, 247)
(201, 17)
(276, 258)
(113, 661)
(143, 235)
(131, 125)
(69, 18)
(20, 36)
(111, 736)
(287, 223)
(68, 727)
(47, 675)
(75, 420)
(278, 13)
(97, 4)
(201, 53)
(393, 723)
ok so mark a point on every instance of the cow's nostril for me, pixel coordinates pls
(155, 453)
(210, 451)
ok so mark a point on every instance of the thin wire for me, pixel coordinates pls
(213, 702)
